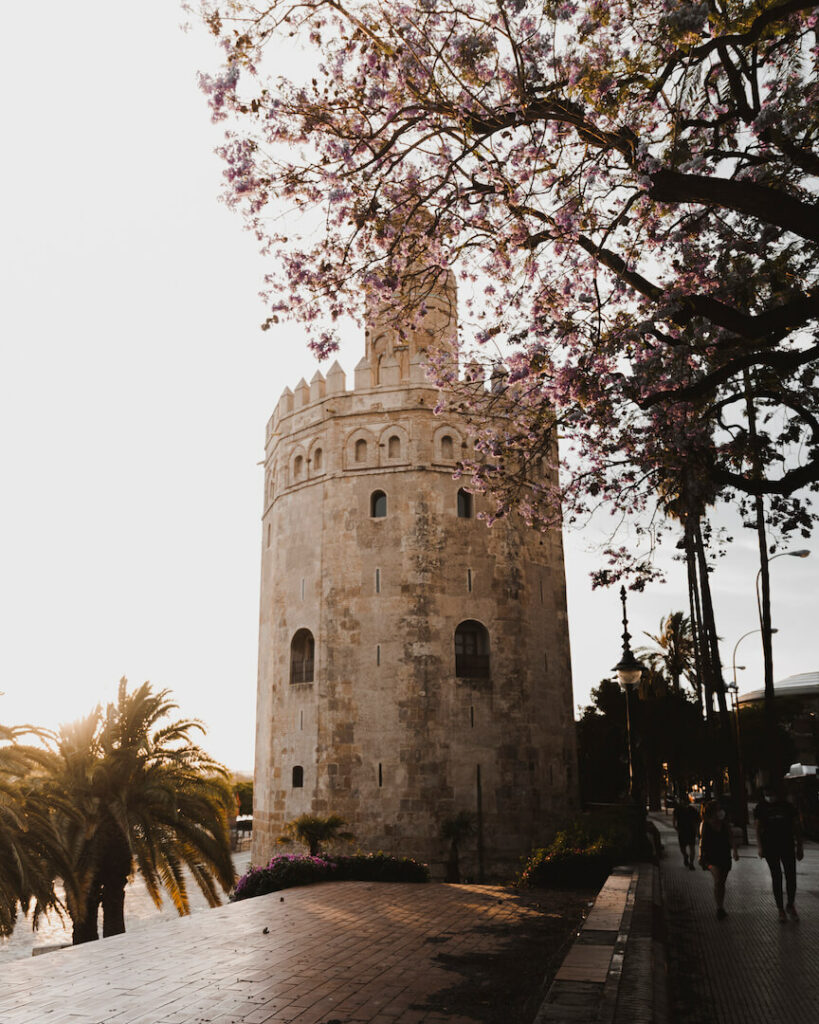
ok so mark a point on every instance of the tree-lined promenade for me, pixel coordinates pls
(122, 789)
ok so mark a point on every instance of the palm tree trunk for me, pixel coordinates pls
(772, 734)
(700, 653)
(113, 907)
(726, 744)
(85, 928)
(115, 870)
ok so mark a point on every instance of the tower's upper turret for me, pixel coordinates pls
(421, 316)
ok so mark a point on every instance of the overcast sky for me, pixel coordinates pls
(135, 389)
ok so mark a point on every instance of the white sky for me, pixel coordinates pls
(135, 386)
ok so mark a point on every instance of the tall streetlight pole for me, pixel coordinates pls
(765, 624)
(763, 604)
(734, 687)
(629, 670)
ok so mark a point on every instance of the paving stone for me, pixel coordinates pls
(351, 951)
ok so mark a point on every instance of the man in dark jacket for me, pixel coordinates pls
(779, 841)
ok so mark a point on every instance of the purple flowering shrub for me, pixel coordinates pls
(285, 871)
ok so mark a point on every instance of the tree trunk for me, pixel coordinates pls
(115, 870)
(113, 907)
(85, 929)
(763, 599)
(727, 747)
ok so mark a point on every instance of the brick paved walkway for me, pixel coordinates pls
(749, 968)
(346, 953)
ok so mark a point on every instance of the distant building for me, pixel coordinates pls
(412, 662)
(801, 694)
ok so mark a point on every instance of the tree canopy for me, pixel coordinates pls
(627, 189)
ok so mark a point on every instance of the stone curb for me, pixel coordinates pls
(615, 971)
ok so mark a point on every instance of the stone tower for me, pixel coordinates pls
(413, 663)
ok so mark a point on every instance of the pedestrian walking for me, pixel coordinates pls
(779, 841)
(687, 823)
(717, 846)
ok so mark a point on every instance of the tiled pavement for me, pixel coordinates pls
(350, 952)
(749, 968)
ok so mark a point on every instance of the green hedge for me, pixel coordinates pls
(286, 871)
(582, 854)
(379, 867)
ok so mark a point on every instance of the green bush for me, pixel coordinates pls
(582, 854)
(379, 867)
(286, 871)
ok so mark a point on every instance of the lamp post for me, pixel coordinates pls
(734, 689)
(629, 670)
(763, 604)
(802, 553)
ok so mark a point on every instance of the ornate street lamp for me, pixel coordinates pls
(733, 689)
(629, 671)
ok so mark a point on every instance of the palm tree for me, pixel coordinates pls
(143, 795)
(313, 831)
(29, 855)
(673, 654)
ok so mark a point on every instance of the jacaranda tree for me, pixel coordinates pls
(627, 192)
(629, 189)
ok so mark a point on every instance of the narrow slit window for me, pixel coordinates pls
(378, 654)
(378, 581)
(298, 776)
(464, 504)
(268, 534)
(301, 720)
(380, 775)
(469, 580)
(472, 716)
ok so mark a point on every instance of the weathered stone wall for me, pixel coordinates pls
(386, 734)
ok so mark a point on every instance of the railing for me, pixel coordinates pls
(301, 672)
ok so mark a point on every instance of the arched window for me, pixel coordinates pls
(447, 451)
(317, 460)
(302, 649)
(361, 450)
(471, 650)
(464, 504)
(298, 776)
(394, 447)
(298, 466)
(378, 505)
